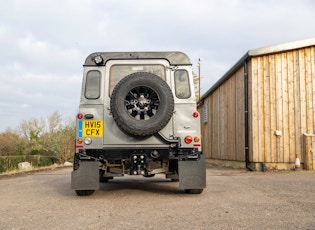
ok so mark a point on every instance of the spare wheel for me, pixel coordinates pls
(142, 104)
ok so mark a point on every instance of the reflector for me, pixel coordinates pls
(87, 141)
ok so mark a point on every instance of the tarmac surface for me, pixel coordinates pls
(233, 199)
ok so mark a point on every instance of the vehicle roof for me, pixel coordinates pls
(173, 57)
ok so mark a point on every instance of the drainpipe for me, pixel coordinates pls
(246, 117)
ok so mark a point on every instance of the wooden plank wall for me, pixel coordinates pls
(223, 134)
(282, 88)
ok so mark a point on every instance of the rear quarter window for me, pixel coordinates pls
(182, 87)
(92, 85)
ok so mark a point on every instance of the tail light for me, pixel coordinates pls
(195, 114)
(80, 116)
(188, 139)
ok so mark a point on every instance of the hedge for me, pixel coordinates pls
(9, 163)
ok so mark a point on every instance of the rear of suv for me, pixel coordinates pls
(138, 117)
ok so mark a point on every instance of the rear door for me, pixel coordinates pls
(115, 71)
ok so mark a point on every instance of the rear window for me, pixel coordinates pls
(118, 72)
(92, 85)
(182, 87)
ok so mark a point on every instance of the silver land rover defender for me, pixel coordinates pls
(138, 116)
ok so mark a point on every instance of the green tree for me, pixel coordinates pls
(32, 131)
(196, 85)
(58, 140)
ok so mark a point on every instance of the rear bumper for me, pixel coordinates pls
(124, 153)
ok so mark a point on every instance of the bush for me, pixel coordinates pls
(40, 141)
(12, 144)
(9, 163)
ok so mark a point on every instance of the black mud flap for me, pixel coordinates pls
(192, 174)
(86, 177)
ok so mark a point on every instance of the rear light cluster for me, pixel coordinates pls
(190, 139)
(79, 139)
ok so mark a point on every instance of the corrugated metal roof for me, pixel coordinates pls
(259, 52)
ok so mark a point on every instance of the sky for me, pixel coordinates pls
(43, 43)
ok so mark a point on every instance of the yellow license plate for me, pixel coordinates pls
(92, 128)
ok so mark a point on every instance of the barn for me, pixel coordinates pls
(260, 114)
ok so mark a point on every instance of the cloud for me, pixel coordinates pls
(44, 43)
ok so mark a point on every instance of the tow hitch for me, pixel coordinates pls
(137, 164)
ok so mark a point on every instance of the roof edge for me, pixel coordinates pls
(282, 47)
(226, 76)
(173, 57)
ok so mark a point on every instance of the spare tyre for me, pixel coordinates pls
(142, 104)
